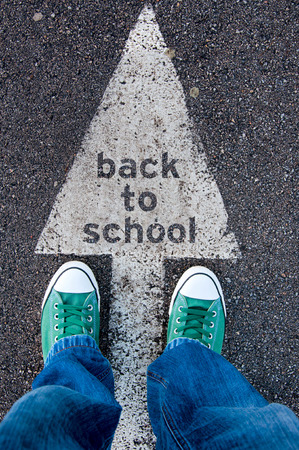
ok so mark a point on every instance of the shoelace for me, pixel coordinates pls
(72, 315)
(194, 320)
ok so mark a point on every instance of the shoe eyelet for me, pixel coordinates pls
(90, 307)
(55, 305)
(214, 313)
(56, 338)
(178, 320)
(56, 316)
(210, 336)
(91, 331)
(180, 308)
(212, 325)
(209, 345)
(89, 319)
(176, 331)
(56, 327)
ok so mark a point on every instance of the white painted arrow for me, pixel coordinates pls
(140, 190)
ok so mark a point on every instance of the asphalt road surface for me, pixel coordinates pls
(237, 64)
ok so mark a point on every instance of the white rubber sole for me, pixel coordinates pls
(72, 265)
(195, 270)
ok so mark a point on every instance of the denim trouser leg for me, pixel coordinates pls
(71, 405)
(198, 400)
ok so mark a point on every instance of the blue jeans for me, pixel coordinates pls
(196, 399)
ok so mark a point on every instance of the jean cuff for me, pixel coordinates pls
(78, 340)
(179, 341)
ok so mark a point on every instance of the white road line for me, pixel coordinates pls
(139, 189)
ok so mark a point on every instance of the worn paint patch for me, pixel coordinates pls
(140, 190)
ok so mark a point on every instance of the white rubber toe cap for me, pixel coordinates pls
(74, 281)
(200, 286)
(73, 277)
(198, 282)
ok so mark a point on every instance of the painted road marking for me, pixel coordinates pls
(139, 189)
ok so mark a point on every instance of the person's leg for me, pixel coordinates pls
(72, 403)
(197, 399)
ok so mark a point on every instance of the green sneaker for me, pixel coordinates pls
(197, 309)
(71, 305)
